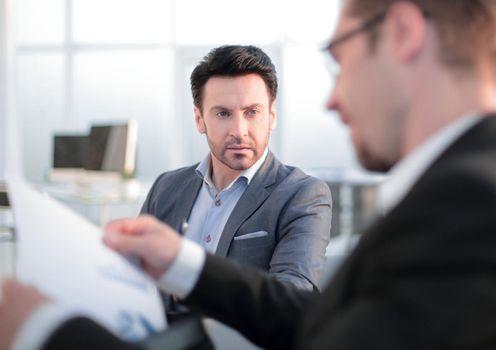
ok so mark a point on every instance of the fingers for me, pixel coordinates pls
(8, 283)
(126, 235)
(154, 242)
(7, 286)
(18, 304)
(10, 287)
(13, 289)
(126, 244)
(134, 226)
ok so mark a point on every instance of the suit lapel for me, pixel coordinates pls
(255, 194)
(186, 194)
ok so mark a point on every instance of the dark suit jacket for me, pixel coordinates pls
(292, 207)
(423, 277)
(83, 334)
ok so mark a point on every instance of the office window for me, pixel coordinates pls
(122, 21)
(309, 21)
(41, 95)
(217, 22)
(118, 85)
(318, 137)
(40, 22)
(82, 62)
(91, 61)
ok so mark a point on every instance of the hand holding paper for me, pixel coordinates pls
(18, 303)
(142, 237)
(62, 255)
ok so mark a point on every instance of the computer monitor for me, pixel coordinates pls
(68, 151)
(4, 198)
(112, 148)
(109, 149)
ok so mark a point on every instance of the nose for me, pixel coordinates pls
(332, 102)
(239, 126)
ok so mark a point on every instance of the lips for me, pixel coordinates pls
(343, 116)
(238, 147)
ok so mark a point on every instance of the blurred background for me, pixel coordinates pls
(75, 68)
(81, 62)
(114, 74)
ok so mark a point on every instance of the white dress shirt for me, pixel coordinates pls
(404, 174)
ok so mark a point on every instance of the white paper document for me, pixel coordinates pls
(62, 254)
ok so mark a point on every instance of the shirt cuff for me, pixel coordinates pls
(41, 324)
(181, 277)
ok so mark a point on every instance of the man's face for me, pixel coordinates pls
(237, 117)
(367, 95)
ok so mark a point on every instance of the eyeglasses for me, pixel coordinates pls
(368, 24)
(329, 48)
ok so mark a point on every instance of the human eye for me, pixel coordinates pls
(223, 114)
(333, 66)
(252, 112)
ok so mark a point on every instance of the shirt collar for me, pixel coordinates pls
(203, 170)
(404, 174)
(251, 171)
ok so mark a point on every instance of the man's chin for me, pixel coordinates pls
(372, 163)
(239, 164)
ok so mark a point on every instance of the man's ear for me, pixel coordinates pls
(409, 29)
(273, 116)
(200, 123)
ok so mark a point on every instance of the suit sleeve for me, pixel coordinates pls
(81, 333)
(146, 208)
(263, 309)
(304, 230)
(423, 277)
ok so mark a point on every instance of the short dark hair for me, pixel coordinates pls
(466, 27)
(232, 61)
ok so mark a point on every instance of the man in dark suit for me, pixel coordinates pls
(240, 202)
(417, 89)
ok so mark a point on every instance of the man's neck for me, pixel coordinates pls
(444, 103)
(222, 176)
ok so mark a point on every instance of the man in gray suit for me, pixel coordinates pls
(240, 201)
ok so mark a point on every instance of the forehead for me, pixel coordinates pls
(345, 24)
(346, 6)
(345, 19)
(234, 91)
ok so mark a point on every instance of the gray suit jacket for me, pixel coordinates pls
(281, 223)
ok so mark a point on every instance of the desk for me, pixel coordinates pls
(7, 255)
(354, 196)
(7, 244)
(102, 201)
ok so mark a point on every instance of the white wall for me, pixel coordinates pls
(7, 68)
(3, 84)
(6, 248)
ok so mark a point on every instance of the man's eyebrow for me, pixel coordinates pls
(218, 107)
(250, 106)
(253, 105)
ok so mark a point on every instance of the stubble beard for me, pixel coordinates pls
(371, 162)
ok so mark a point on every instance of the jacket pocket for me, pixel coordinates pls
(251, 235)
